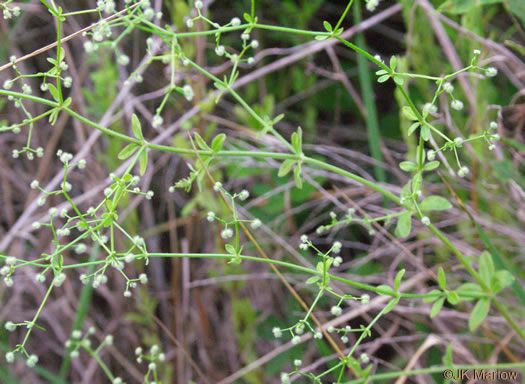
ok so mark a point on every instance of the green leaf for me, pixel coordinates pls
(466, 289)
(386, 288)
(500, 281)
(381, 72)
(137, 127)
(391, 305)
(436, 307)
(431, 166)
(297, 175)
(435, 203)
(398, 80)
(327, 26)
(393, 63)
(383, 78)
(425, 132)
(297, 140)
(247, 17)
(480, 311)
(313, 279)
(434, 298)
(127, 151)
(397, 280)
(447, 358)
(143, 161)
(201, 143)
(285, 167)
(453, 298)
(412, 128)
(230, 249)
(404, 225)
(409, 114)
(442, 279)
(408, 166)
(54, 92)
(416, 182)
(218, 141)
(486, 267)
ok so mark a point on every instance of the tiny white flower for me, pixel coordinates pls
(9, 357)
(226, 233)
(26, 89)
(318, 335)
(236, 22)
(448, 88)
(256, 224)
(297, 362)
(425, 220)
(217, 187)
(123, 59)
(10, 326)
(152, 366)
(431, 155)
(337, 261)
(477, 52)
(251, 61)
(457, 105)
(296, 340)
(303, 246)
(277, 333)
(458, 141)
(138, 351)
(344, 339)
(108, 340)
(189, 23)
(371, 5)
(76, 334)
(336, 248)
(495, 137)
(150, 14)
(463, 171)
(336, 311)
(211, 216)
(32, 360)
(198, 4)
(245, 36)
(157, 121)
(244, 195)
(304, 238)
(493, 125)
(430, 108)
(491, 72)
(10, 260)
(255, 44)
(143, 278)
(364, 358)
(219, 51)
(188, 92)
(365, 299)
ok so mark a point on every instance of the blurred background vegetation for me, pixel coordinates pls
(220, 315)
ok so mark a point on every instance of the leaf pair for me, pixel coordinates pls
(130, 149)
(287, 165)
